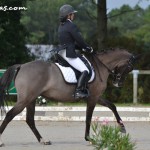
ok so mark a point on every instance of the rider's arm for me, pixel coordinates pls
(80, 43)
(76, 34)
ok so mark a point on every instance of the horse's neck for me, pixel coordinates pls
(102, 70)
(107, 63)
(111, 60)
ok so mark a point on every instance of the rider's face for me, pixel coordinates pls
(72, 16)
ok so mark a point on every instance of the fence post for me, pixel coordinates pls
(135, 85)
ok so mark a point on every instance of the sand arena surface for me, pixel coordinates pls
(65, 135)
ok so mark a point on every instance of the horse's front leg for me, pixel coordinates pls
(89, 112)
(111, 106)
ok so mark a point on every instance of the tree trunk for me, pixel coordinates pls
(101, 24)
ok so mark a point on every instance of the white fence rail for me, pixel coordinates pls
(135, 82)
(62, 113)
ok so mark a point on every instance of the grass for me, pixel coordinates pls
(11, 100)
(132, 105)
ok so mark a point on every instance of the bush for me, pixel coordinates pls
(106, 137)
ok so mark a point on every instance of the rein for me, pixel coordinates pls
(96, 61)
(112, 72)
(94, 58)
(100, 62)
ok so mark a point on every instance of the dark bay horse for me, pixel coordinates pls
(42, 78)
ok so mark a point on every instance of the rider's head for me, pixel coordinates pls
(66, 12)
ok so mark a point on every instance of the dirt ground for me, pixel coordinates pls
(65, 135)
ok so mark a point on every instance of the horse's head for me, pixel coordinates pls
(121, 70)
(118, 62)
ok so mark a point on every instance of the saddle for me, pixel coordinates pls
(70, 74)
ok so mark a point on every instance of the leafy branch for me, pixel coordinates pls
(123, 12)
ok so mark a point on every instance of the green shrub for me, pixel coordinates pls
(106, 137)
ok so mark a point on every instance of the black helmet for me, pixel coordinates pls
(66, 10)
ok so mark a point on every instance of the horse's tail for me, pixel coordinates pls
(5, 82)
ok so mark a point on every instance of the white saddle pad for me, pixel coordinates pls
(69, 74)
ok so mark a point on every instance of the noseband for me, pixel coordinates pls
(129, 66)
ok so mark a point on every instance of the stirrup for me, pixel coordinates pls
(81, 94)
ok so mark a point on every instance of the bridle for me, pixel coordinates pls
(129, 66)
(117, 75)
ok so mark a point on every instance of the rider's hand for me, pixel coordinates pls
(88, 50)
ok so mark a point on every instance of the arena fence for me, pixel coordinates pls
(135, 82)
(62, 113)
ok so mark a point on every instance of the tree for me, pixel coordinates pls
(131, 32)
(134, 26)
(101, 24)
(141, 34)
(12, 34)
(42, 20)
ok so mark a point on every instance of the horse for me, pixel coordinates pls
(44, 78)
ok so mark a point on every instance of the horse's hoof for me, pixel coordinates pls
(87, 138)
(122, 130)
(1, 144)
(45, 142)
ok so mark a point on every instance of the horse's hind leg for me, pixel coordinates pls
(9, 116)
(30, 121)
(111, 106)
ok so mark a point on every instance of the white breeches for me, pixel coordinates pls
(76, 63)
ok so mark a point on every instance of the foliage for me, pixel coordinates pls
(132, 23)
(129, 28)
(143, 89)
(42, 19)
(12, 35)
(41, 101)
(108, 137)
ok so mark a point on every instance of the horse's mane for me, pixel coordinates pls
(104, 52)
(108, 51)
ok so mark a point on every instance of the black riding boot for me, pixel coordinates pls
(80, 92)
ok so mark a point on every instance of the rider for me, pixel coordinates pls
(70, 37)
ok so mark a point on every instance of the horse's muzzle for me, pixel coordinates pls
(118, 84)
